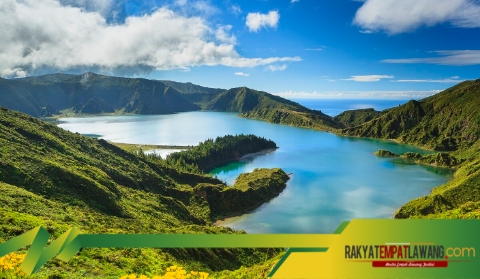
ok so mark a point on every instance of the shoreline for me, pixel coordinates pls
(223, 220)
(262, 152)
(336, 132)
(246, 156)
(146, 147)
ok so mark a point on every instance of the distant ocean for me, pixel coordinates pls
(334, 107)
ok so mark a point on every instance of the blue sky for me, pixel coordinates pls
(309, 49)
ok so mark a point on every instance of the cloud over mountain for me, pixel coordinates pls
(48, 35)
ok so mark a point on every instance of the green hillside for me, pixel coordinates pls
(90, 93)
(193, 93)
(446, 121)
(47, 78)
(274, 109)
(58, 179)
(458, 198)
(352, 118)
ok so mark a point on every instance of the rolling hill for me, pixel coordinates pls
(193, 93)
(448, 121)
(57, 179)
(352, 118)
(274, 109)
(90, 93)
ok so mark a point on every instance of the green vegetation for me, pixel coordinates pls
(468, 210)
(264, 106)
(196, 94)
(212, 153)
(447, 121)
(250, 191)
(352, 118)
(385, 153)
(90, 93)
(75, 95)
(455, 197)
(56, 179)
(437, 159)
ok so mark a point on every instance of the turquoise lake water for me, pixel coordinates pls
(333, 178)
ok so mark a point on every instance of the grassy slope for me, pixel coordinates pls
(91, 94)
(193, 93)
(264, 106)
(57, 179)
(446, 121)
(457, 195)
(49, 77)
(352, 118)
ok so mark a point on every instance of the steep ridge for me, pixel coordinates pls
(264, 106)
(91, 93)
(193, 93)
(352, 118)
(447, 121)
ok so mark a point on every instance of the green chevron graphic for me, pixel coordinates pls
(65, 246)
(70, 242)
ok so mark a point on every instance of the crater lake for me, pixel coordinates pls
(333, 178)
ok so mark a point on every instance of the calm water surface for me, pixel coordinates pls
(333, 178)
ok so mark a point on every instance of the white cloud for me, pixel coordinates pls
(204, 7)
(255, 21)
(236, 10)
(189, 7)
(412, 94)
(102, 6)
(327, 78)
(315, 49)
(275, 68)
(241, 74)
(454, 79)
(444, 57)
(393, 16)
(366, 31)
(181, 2)
(253, 62)
(41, 36)
(368, 78)
(222, 34)
(293, 1)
